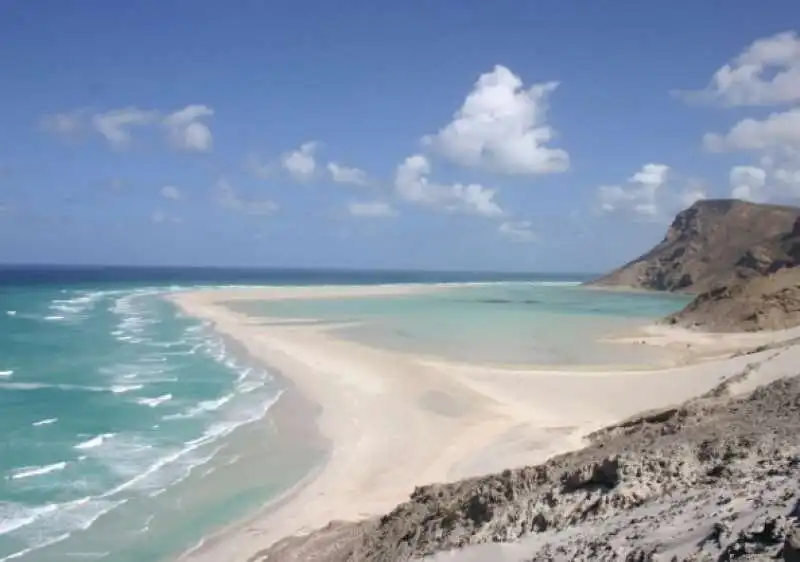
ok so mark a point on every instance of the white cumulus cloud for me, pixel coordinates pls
(347, 175)
(767, 72)
(517, 231)
(370, 209)
(412, 184)
(187, 131)
(748, 182)
(184, 128)
(115, 125)
(777, 132)
(649, 194)
(301, 163)
(774, 142)
(502, 126)
(170, 192)
(692, 195)
(639, 195)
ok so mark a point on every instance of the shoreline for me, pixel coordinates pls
(284, 415)
(393, 421)
(334, 423)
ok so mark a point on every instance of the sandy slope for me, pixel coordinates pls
(394, 421)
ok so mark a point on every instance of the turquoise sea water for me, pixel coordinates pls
(130, 431)
(533, 322)
(109, 399)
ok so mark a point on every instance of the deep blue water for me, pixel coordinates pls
(164, 276)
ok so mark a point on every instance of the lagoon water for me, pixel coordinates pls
(130, 432)
(530, 322)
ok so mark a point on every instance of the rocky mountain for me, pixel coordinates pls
(771, 302)
(775, 253)
(715, 243)
(714, 479)
(767, 297)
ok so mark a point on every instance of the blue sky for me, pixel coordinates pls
(547, 135)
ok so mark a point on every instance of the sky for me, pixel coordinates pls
(509, 136)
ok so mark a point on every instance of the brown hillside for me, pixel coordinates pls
(761, 303)
(714, 243)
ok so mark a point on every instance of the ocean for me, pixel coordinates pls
(128, 428)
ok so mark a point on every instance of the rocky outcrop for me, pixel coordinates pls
(761, 303)
(782, 251)
(714, 243)
(713, 479)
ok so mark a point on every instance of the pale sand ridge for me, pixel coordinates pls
(395, 421)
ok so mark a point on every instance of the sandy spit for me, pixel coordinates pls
(394, 421)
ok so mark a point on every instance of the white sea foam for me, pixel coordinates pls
(153, 402)
(41, 385)
(56, 522)
(23, 385)
(249, 386)
(122, 389)
(42, 544)
(94, 510)
(54, 318)
(95, 441)
(11, 312)
(146, 526)
(28, 471)
(14, 516)
(144, 479)
(244, 374)
(154, 360)
(199, 327)
(127, 375)
(176, 465)
(65, 308)
(167, 344)
(6, 373)
(202, 408)
(75, 307)
(556, 283)
(47, 421)
(223, 428)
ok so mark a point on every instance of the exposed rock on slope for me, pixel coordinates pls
(711, 244)
(713, 479)
(760, 303)
(779, 252)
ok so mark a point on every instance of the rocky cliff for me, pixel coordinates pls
(711, 244)
(766, 298)
(771, 302)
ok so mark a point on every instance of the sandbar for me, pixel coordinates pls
(392, 421)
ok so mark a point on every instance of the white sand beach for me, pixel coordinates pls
(392, 421)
